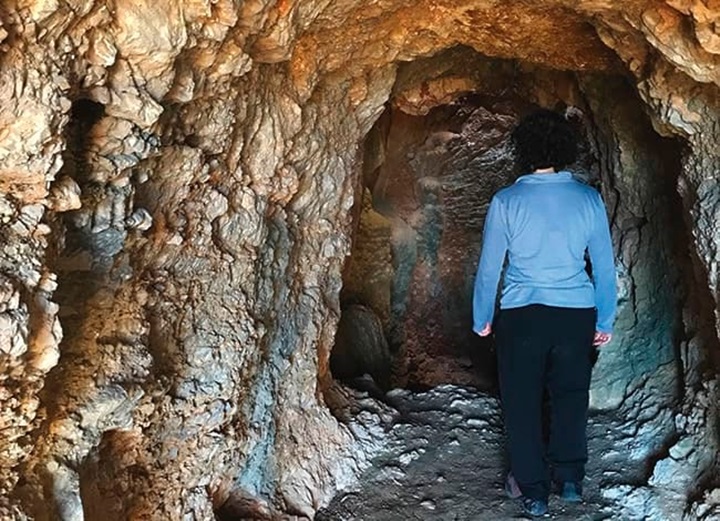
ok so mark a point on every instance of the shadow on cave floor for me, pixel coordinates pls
(445, 460)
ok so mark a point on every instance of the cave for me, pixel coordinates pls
(431, 164)
(239, 240)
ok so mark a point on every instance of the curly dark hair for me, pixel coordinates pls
(544, 139)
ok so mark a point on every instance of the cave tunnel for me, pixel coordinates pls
(432, 162)
(239, 239)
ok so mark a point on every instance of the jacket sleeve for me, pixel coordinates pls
(603, 269)
(494, 248)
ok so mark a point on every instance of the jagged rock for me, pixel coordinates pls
(65, 195)
(239, 128)
(241, 505)
(140, 219)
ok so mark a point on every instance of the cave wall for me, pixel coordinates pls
(223, 170)
(424, 208)
(639, 175)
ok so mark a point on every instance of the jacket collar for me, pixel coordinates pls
(558, 177)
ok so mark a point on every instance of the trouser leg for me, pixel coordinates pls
(522, 352)
(569, 369)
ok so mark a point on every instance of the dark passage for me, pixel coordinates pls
(429, 174)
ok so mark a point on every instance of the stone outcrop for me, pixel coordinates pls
(177, 189)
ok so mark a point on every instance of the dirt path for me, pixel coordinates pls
(446, 461)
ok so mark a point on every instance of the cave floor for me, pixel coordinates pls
(445, 460)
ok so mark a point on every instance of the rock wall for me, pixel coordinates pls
(213, 149)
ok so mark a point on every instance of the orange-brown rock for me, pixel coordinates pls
(186, 170)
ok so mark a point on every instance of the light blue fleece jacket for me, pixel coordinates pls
(545, 223)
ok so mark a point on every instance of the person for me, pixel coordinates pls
(552, 310)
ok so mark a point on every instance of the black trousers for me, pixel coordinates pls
(543, 349)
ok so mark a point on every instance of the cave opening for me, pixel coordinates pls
(431, 163)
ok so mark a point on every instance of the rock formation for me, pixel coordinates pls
(181, 182)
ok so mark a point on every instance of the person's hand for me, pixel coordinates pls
(601, 338)
(485, 331)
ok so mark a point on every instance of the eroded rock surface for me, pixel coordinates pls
(177, 183)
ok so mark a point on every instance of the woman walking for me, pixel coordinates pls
(552, 310)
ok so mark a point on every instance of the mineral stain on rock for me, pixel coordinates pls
(194, 193)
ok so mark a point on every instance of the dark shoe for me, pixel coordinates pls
(534, 507)
(512, 489)
(571, 492)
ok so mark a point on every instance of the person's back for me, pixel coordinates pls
(552, 220)
(545, 223)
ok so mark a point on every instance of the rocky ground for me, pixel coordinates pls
(446, 461)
